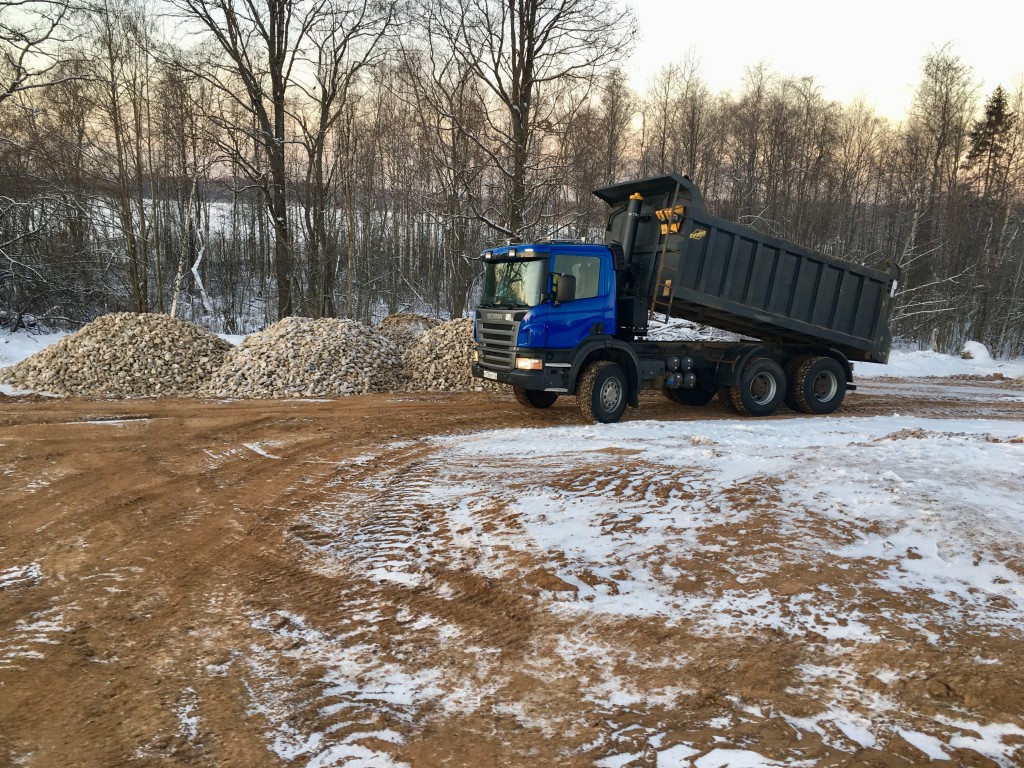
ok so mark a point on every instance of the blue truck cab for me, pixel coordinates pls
(541, 303)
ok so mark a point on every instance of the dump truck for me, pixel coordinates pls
(571, 318)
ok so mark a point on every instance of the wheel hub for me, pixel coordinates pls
(763, 388)
(610, 395)
(825, 386)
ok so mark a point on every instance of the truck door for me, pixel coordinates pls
(591, 312)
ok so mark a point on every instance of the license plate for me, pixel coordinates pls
(490, 375)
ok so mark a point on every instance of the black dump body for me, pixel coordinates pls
(686, 263)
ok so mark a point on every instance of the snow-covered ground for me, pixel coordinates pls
(15, 347)
(873, 535)
(909, 364)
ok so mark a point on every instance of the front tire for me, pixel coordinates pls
(761, 389)
(601, 392)
(533, 398)
(819, 386)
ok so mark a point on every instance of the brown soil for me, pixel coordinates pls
(208, 592)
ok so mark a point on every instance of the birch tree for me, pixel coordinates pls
(261, 43)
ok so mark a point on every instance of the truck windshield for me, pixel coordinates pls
(519, 283)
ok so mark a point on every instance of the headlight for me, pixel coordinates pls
(529, 364)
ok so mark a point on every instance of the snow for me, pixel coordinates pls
(676, 756)
(21, 576)
(258, 449)
(937, 502)
(24, 640)
(931, 746)
(15, 347)
(911, 364)
(739, 758)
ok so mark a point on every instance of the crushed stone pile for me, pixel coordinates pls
(405, 328)
(441, 360)
(302, 357)
(123, 355)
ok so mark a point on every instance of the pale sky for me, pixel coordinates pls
(868, 48)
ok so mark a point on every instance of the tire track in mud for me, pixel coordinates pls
(379, 522)
(375, 539)
(420, 534)
(439, 608)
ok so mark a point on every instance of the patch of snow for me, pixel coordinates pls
(357, 686)
(856, 730)
(616, 761)
(741, 758)
(675, 757)
(23, 641)
(975, 350)
(258, 449)
(910, 364)
(1000, 742)
(188, 720)
(21, 576)
(931, 493)
(931, 746)
(15, 347)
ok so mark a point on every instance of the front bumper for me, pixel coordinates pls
(549, 379)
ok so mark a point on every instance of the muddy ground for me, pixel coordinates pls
(268, 583)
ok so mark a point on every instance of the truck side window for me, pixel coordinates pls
(586, 270)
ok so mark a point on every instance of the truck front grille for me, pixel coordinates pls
(496, 342)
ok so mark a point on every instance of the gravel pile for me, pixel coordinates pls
(405, 328)
(300, 357)
(441, 358)
(123, 355)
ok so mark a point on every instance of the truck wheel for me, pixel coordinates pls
(601, 392)
(792, 381)
(533, 398)
(761, 389)
(695, 396)
(819, 385)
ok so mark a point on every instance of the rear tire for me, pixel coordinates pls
(533, 398)
(601, 392)
(819, 386)
(761, 389)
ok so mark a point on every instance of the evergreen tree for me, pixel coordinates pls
(988, 142)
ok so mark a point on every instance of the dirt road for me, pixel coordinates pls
(321, 583)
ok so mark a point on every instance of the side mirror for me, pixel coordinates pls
(565, 290)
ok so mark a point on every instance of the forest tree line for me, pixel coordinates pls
(233, 162)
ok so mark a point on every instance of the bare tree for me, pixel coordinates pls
(122, 38)
(450, 109)
(659, 136)
(345, 39)
(537, 60)
(32, 33)
(263, 42)
(941, 116)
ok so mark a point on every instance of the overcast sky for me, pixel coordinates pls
(869, 48)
